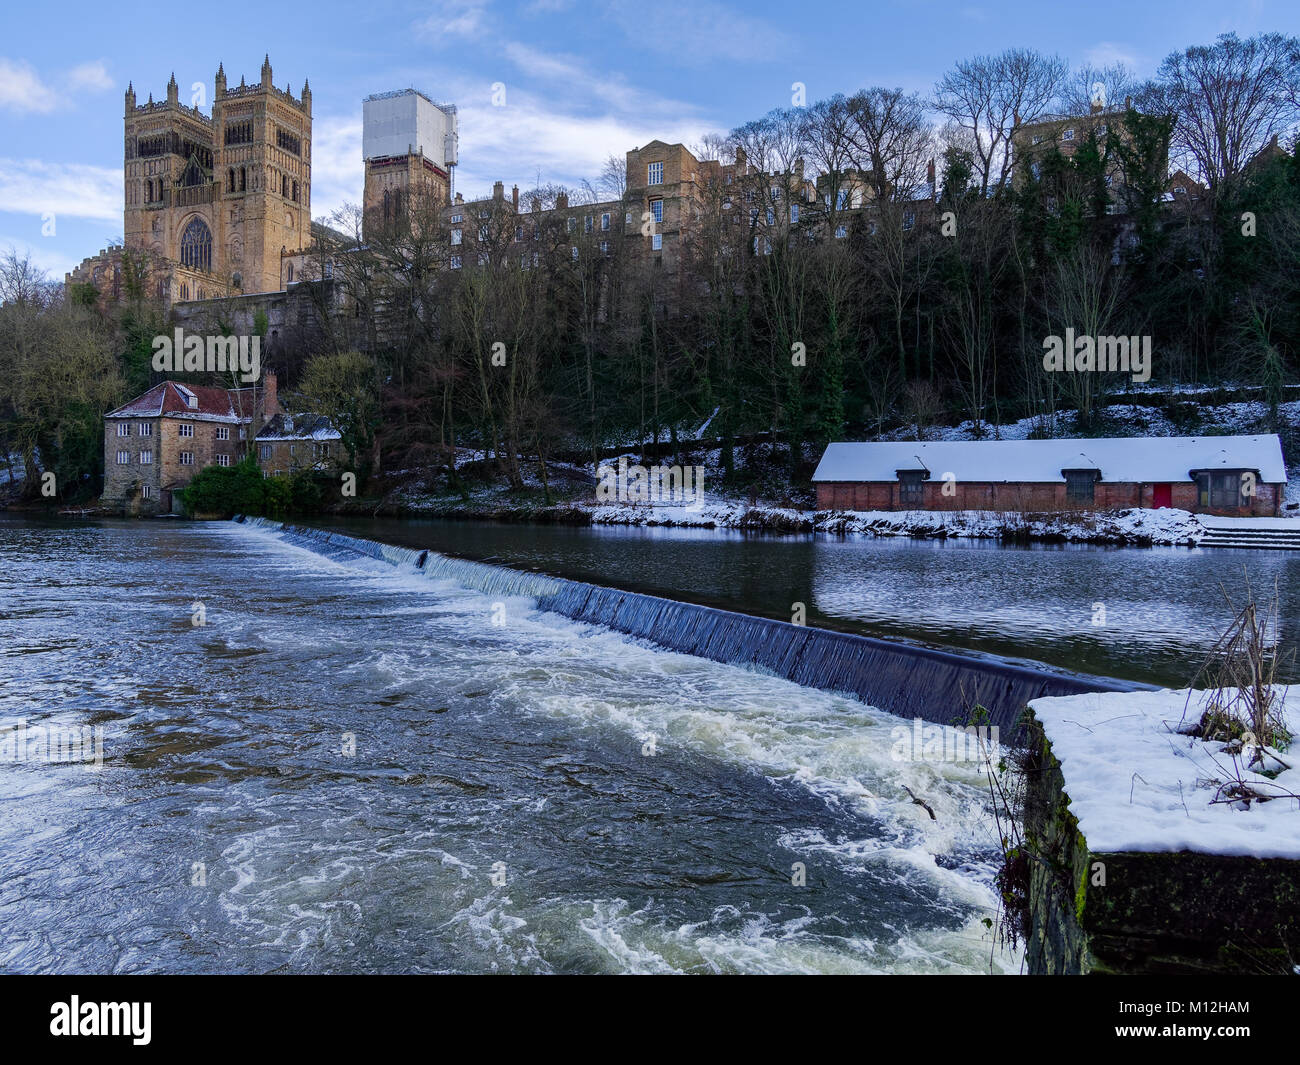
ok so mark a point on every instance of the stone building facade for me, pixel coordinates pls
(215, 203)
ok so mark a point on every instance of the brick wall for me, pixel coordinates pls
(883, 495)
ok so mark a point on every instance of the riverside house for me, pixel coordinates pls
(1229, 475)
(156, 443)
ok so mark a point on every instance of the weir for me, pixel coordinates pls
(904, 679)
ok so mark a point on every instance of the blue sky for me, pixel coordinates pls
(583, 80)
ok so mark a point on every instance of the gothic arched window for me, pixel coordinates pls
(196, 245)
(291, 272)
(243, 179)
(230, 180)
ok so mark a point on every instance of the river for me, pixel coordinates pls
(1146, 614)
(350, 769)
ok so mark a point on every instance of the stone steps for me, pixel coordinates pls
(1259, 539)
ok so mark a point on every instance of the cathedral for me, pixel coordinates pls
(220, 205)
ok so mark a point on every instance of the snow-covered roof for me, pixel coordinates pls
(170, 398)
(304, 426)
(1127, 459)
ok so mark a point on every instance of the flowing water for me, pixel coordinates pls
(353, 768)
(1144, 614)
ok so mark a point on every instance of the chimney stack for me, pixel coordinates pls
(498, 190)
(562, 200)
(741, 160)
(514, 195)
(270, 400)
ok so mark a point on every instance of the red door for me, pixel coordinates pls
(1162, 495)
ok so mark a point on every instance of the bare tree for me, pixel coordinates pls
(892, 139)
(990, 95)
(1228, 100)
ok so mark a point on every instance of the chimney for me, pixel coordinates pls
(741, 160)
(460, 198)
(562, 201)
(270, 401)
(514, 195)
(1128, 103)
(498, 190)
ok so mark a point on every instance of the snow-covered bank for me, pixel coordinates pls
(1136, 526)
(1138, 782)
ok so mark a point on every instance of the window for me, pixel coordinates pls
(146, 429)
(753, 216)
(123, 458)
(842, 200)
(654, 174)
(482, 234)
(123, 428)
(574, 251)
(455, 237)
(909, 220)
(146, 458)
(775, 193)
(455, 262)
(841, 232)
(1220, 490)
(322, 451)
(196, 245)
(588, 224)
(223, 460)
(911, 490)
(223, 432)
(1037, 139)
(604, 223)
(519, 234)
(187, 458)
(1080, 486)
(266, 452)
(186, 430)
(604, 248)
(291, 273)
(1068, 135)
(455, 218)
(243, 433)
(657, 242)
(657, 210)
(628, 220)
(146, 491)
(771, 217)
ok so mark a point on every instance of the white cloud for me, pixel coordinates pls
(699, 31)
(453, 18)
(21, 88)
(35, 187)
(92, 77)
(43, 256)
(1108, 53)
(337, 173)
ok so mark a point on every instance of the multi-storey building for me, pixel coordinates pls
(156, 443)
(216, 204)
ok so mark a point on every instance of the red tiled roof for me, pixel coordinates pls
(167, 398)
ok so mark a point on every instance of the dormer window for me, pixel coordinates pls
(1068, 135)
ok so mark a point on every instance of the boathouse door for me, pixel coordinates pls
(1162, 495)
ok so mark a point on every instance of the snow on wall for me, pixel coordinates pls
(1136, 783)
